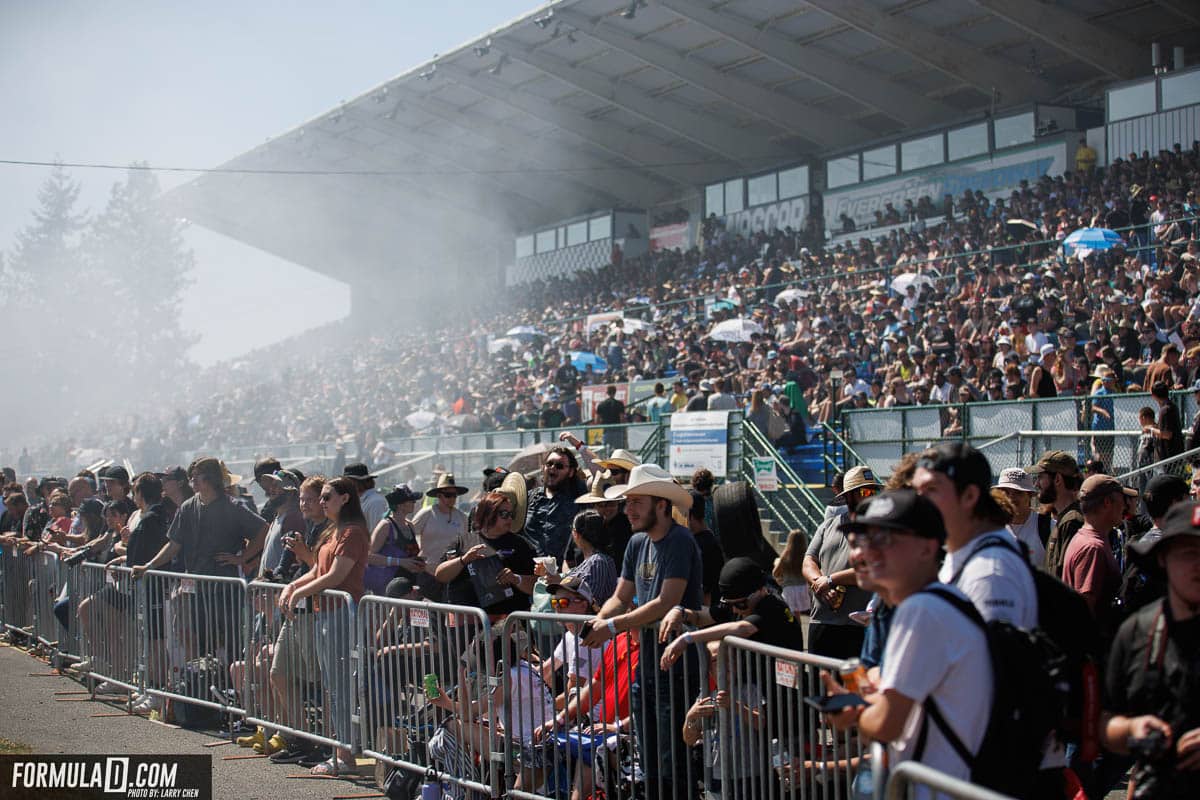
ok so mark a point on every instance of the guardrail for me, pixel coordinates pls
(909, 776)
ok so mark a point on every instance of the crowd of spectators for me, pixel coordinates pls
(961, 304)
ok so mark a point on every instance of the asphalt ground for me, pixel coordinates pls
(35, 714)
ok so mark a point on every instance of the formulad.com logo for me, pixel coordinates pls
(96, 776)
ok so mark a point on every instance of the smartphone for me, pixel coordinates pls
(585, 629)
(831, 704)
(432, 689)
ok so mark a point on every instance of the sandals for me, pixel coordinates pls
(327, 767)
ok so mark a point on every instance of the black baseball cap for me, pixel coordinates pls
(176, 473)
(741, 577)
(898, 510)
(961, 463)
(114, 472)
(1162, 492)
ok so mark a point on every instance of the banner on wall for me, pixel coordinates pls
(593, 395)
(995, 176)
(699, 439)
(772, 216)
(671, 237)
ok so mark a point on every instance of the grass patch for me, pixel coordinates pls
(9, 747)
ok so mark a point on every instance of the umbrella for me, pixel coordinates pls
(631, 324)
(531, 457)
(581, 360)
(1088, 240)
(419, 420)
(723, 305)
(496, 345)
(792, 296)
(1020, 227)
(734, 330)
(900, 283)
(524, 330)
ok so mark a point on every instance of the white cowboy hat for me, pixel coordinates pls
(621, 459)
(597, 484)
(652, 480)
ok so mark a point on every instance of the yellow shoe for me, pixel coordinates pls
(274, 744)
(250, 741)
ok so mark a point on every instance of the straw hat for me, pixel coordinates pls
(652, 480)
(597, 484)
(858, 478)
(516, 491)
(446, 481)
(621, 459)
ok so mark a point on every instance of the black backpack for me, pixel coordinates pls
(1028, 701)
(1065, 619)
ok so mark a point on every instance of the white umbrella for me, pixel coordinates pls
(792, 296)
(900, 283)
(734, 330)
(524, 330)
(496, 345)
(419, 420)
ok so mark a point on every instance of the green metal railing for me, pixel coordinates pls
(793, 505)
(830, 440)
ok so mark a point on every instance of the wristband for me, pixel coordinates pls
(687, 637)
(612, 627)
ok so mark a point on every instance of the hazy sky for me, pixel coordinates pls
(194, 84)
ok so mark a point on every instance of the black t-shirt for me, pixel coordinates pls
(205, 531)
(147, 537)
(712, 558)
(513, 552)
(1169, 422)
(776, 624)
(610, 411)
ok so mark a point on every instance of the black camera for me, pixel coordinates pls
(1151, 747)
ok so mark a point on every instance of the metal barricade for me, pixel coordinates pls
(908, 778)
(426, 676)
(70, 643)
(18, 577)
(620, 729)
(111, 640)
(193, 628)
(46, 586)
(773, 745)
(297, 672)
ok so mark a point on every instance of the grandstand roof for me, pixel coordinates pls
(581, 105)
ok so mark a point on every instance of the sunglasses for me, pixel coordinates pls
(562, 603)
(505, 514)
(867, 491)
(741, 604)
(555, 465)
(447, 494)
(880, 540)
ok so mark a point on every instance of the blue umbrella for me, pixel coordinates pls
(1089, 240)
(581, 360)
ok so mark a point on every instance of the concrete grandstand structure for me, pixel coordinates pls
(586, 109)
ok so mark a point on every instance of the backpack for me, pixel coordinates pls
(1028, 700)
(1044, 528)
(1066, 621)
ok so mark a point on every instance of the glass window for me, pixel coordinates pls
(714, 199)
(842, 171)
(793, 182)
(1010, 131)
(1180, 90)
(1131, 101)
(761, 190)
(600, 228)
(879, 163)
(524, 246)
(734, 199)
(545, 241)
(577, 233)
(967, 142)
(923, 152)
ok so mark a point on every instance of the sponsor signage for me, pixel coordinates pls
(765, 476)
(995, 176)
(699, 439)
(772, 216)
(80, 777)
(671, 237)
(593, 395)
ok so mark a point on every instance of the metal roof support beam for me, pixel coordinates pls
(634, 148)
(1109, 53)
(1184, 9)
(958, 60)
(743, 146)
(545, 191)
(814, 124)
(579, 165)
(845, 77)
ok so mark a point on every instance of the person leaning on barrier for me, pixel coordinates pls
(932, 652)
(283, 497)
(1153, 678)
(662, 570)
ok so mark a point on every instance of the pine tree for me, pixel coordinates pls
(138, 251)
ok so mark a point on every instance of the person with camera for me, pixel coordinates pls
(1153, 678)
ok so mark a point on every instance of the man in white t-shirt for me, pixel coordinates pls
(934, 653)
(1031, 528)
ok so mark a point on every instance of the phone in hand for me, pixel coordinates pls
(833, 703)
(586, 628)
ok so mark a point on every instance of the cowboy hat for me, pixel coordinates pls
(597, 484)
(621, 459)
(229, 478)
(515, 489)
(446, 481)
(652, 480)
(1103, 371)
(859, 477)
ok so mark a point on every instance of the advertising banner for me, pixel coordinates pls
(765, 476)
(699, 439)
(772, 216)
(671, 237)
(594, 394)
(995, 176)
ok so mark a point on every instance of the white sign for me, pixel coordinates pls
(787, 674)
(418, 617)
(773, 216)
(994, 176)
(765, 477)
(699, 439)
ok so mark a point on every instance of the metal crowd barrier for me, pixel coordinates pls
(107, 613)
(773, 744)
(425, 679)
(296, 675)
(70, 643)
(18, 580)
(913, 780)
(46, 586)
(193, 629)
(622, 731)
